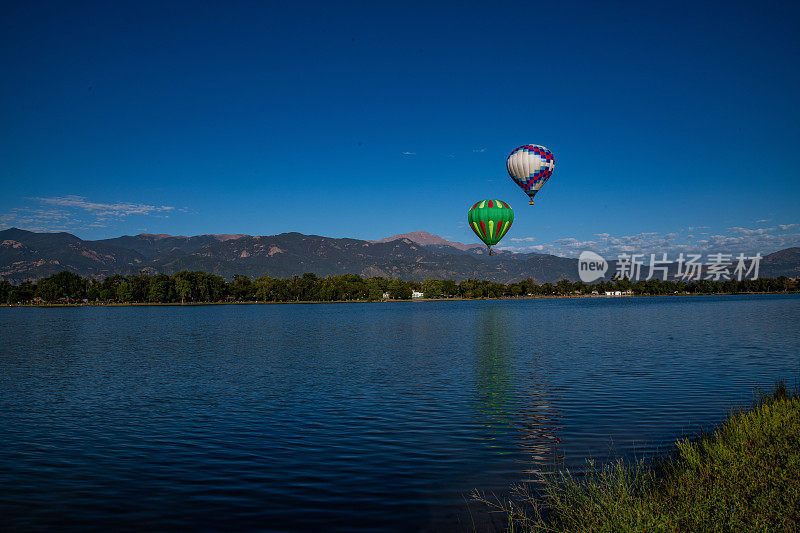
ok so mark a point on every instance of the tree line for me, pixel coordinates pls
(194, 287)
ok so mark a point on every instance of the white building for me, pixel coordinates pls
(416, 294)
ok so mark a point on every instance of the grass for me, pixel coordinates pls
(743, 477)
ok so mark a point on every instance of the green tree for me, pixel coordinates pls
(242, 288)
(64, 284)
(93, 290)
(383, 283)
(161, 289)
(469, 288)
(493, 290)
(140, 286)
(214, 287)
(271, 289)
(183, 288)
(449, 288)
(108, 290)
(124, 292)
(374, 292)
(432, 288)
(623, 284)
(516, 289)
(783, 284)
(564, 286)
(399, 290)
(5, 291)
(22, 293)
(356, 288)
(530, 287)
(48, 290)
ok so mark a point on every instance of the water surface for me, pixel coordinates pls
(356, 417)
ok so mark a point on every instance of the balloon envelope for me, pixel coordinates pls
(530, 166)
(490, 220)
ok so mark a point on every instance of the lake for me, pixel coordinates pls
(356, 417)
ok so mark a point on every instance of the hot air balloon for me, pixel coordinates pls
(490, 220)
(530, 166)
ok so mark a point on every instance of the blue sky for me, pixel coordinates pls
(673, 125)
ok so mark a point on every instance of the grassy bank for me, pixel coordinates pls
(743, 477)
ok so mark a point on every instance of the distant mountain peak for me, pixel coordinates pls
(222, 237)
(159, 236)
(230, 236)
(427, 239)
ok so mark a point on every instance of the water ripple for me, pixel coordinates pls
(356, 417)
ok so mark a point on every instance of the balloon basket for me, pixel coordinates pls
(530, 202)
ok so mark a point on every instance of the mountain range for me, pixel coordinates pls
(26, 255)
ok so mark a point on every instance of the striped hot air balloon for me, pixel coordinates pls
(530, 166)
(490, 220)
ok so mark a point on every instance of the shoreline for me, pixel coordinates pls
(741, 476)
(387, 300)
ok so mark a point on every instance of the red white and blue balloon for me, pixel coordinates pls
(530, 166)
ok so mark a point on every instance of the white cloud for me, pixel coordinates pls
(737, 240)
(409, 153)
(34, 219)
(523, 249)
(119, 209)
(762, 231)
(745, 231)
(479, 150)
(70, 213)
(523, 239)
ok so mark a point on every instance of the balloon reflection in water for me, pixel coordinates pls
(512, 396)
